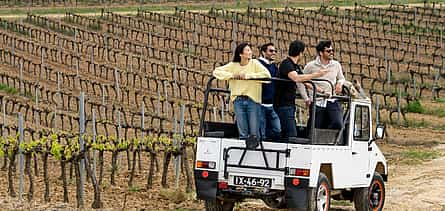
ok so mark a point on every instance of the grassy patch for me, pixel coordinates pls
(412, 29)
(439, 100)
(14, 28)
(241, 4)
(395, 92)
(405, 80)
(94, 26)
(341, 203)
(342, 2)
(416, 123)
(327, 12)
(440, 127)
(374, 2)
(57, 28)
(371, 19)
(8, 89)
(417, 156)
(439, 112)
(134, 189)
(415, 107)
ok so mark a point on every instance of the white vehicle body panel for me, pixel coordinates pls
(352, 165)
(209, 149)
(256, 159)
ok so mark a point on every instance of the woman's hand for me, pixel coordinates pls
(239, 76)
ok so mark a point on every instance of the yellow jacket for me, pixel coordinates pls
(251, 88)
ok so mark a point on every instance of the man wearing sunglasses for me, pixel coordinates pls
(270, 127)
(329, 113)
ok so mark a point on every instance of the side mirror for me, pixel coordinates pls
(380, 131)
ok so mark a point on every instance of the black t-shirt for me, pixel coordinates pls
(285, 91)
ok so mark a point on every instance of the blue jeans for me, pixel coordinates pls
(247, 115)
(270, 124)
(287, 120)
(330, 117)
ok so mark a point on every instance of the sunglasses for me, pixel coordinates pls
(329, 50)
(272, 51)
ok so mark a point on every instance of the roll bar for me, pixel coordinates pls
(210, 89)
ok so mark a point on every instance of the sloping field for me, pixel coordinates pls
(140, 73)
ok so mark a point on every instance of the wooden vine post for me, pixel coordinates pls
(81, 164)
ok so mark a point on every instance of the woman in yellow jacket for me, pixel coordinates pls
(245, 94)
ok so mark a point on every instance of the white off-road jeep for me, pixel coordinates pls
(304, 172)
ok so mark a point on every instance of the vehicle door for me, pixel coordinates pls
(361, 133)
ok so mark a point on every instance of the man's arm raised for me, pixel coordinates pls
(294, 76)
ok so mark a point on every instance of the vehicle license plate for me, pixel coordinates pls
(253, 181)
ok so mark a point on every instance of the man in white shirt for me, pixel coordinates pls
(329, 113)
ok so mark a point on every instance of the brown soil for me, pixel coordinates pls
(411, 185)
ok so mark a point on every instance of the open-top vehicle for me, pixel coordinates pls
(303, 172)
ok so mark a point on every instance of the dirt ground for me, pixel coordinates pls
(420, 186)
(413, 184)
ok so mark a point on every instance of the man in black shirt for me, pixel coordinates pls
(285, 93)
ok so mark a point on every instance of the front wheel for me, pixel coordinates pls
(319, 199)
(371, 198)
(219, 205)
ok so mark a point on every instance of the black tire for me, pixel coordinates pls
(275, 202)
(218, 205)
(319, 198)
(371, 198)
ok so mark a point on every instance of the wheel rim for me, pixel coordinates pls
(375, 195)
(322, 197)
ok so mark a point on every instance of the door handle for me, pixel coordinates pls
(354, 153)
